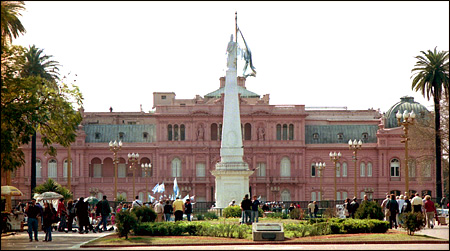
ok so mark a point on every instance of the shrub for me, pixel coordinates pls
(144, 214)
(211, 216)
(330, 213)
(412, 222)
(232, 211)
(126, 221)
(369, 210)
(297, 214)
(277, 215)
(200, 216)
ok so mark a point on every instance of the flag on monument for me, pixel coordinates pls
(155, 189)
(176, 190)
(248, 59)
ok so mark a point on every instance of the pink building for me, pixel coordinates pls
(181, 138)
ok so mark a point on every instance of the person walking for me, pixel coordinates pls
(255, 207)
(159, 210)
(188, 209)
(49, 218)
(178, 208)
(417, 203)
(316, 209)
(430, 211)
(32, 212)
(71, 215)
(407, 205)
(168, 210)
(62, 213)
(386, 211)
(105, 211)
(400, 202)
(347, 208)
(246, 208)
(392, 205)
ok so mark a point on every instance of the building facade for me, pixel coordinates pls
(282, 143)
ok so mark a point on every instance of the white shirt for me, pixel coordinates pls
(136, 203)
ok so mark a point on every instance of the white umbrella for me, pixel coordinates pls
(48, 196)
(11, 190)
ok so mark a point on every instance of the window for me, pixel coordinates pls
(100, 196)
(285, 132)
(344, 169)
(278, 132)
(261, 171)
(344, 195)
(131, 122)
(369, 169)
(123, 195)
(122, 170)
(145, 135)
(412, 168)
(65, 168)
(141, 196)
(395, 192)
(200, 170)
(38, 168)
(97, 170)
(169, 132)
(285, 167)
(338, 169)
(426, 170)
(121, 134)
(395, 168)
(426, 192)
(97, 135)
(362, 195)
(214, 131)
(182, 132)
(248, 131)
(313, 170)
(52, 169)
(176, 167)
(362, 167)
(175, 132)
(313, 196)
(338, 195)
(291, 132)
(163, 97)
(315, 136)
(285, 195)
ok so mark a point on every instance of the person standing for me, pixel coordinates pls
(347, 208)
(178, 208)
(246, 208)
(407, 205)
(49, 219)
(136, 202)
(159, 210)
(255, 207)
(400, 202)
(32, 212)
(354, 205)
(71, 215)
(62, 213)
(188, 209)
(392, 205)
(82, 215)
(444, 202)
(385, 210)
(168, 210)
(430, 211)
(316, 209)
(417, 203)
(311, 209)
(232, 203)
(105, 211)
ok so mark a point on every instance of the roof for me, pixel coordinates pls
(405, 103)
(328, 134)
(131, 133)
(241, 90)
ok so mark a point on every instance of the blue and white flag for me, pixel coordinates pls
(259, 198)
(151, 198)
(160, 197)
(192, 198)
(185, 198)
(176, 190)
(155, 189)
(161, 188)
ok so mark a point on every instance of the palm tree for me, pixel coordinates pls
(10, 23)
(431, 78)
(38, 64)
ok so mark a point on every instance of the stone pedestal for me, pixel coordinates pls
(231, 184)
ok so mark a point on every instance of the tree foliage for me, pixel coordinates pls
(52, 186)
(10, 22)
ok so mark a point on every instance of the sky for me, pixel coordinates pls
(357, 55)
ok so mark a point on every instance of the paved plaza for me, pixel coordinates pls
(62, 241)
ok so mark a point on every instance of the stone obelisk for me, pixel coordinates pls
(232, 173)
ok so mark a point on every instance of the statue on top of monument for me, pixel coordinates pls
(232, 53)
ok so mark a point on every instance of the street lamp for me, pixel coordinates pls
(133, 158)
(335, 158)
(274, 190)
(320, 167)
(408, 119)
(355, 146)
(115, 148)
(147, 167)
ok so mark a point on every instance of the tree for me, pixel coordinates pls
(10, 23)
(52, 186)
(39, 64)
(431, 78)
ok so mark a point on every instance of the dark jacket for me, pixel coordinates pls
(246, 204)
(316, 208)
(168, 209)
(406, 207)
(392, 205)
(48, 217)
(255, 205)
(33, 211)
(187, 208)
(103, 207)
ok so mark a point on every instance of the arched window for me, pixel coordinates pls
(123, 195)
(313, 170)
(338, 169)
(261, 171)
(99, 196)
(278, 132)
(213, 131)
(52, 169)
(169, 132)
(395, 168)
(175, 132)
(395, 192)
(313, 196)
(412, 167)
(285, 195)
(176, 167)
(369, 169)
(97, 170)
(291, 132)
(362, 167)
(248, 131)
(38, 168)
(426, 170)
(344, 169)
(285, 167)
(426, 192)
(285, 132)
(182, 132)
(65, 168)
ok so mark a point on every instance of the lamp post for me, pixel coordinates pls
(320, 167)
(408, 119)
(115, 148)
(133, 158)
(355, 146)
(274, 190)
(335, 158)
(147, 167)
